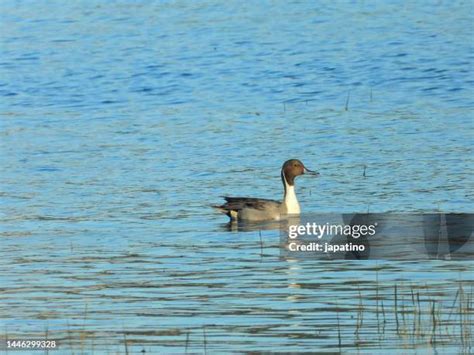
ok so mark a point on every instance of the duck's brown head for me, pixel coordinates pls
(293, 168)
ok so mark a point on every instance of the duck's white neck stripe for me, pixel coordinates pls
(291, 202)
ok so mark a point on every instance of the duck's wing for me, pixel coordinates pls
(234, 205)
(237, 203)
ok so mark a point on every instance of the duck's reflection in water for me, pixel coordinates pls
(243, 226)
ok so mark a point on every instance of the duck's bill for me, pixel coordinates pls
(310, 172)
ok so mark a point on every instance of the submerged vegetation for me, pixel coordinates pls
(398, 316)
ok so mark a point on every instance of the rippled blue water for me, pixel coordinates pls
(122, 122)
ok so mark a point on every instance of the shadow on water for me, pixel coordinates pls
(245, 226)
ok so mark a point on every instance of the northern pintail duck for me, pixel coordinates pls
(259, 209)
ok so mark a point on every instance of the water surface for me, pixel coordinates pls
(121, 123)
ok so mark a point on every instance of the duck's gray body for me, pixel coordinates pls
(260, 209)
(252, 209)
